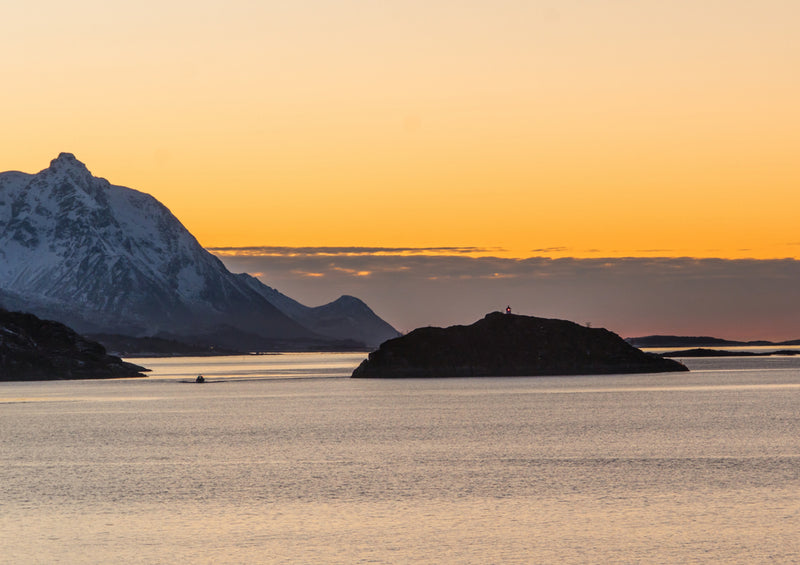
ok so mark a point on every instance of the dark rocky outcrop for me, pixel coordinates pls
(510, 345)
(32, 349)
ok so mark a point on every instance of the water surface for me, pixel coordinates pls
(282, 459)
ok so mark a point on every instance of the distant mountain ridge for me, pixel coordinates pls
(345, 316)
(108, 259)
(699, 341)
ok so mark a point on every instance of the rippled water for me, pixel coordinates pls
(280, 459)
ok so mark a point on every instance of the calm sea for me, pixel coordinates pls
(282, 459)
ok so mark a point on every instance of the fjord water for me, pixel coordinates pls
(282, 459)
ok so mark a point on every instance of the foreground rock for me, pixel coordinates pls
(32, 349)
(510, 345)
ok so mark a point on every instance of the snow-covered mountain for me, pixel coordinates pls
(108, 259)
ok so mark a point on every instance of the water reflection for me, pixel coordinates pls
(273, 366)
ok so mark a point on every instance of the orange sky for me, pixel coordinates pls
(584, 128)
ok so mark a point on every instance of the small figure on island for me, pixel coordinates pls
(508, 309)
(200, 379)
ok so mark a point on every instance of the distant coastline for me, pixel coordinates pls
(704, 352)
(139, 347)
(653, 341)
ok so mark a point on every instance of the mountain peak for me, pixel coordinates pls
(67, 161)
(348, 300)
(67, 167)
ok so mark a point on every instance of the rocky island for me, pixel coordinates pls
(32, 349)
(510, 345)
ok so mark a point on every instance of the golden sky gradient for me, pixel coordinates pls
(584, 128)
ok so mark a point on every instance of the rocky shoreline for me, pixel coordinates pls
(32, 349)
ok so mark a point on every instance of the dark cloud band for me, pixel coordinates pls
(734, 298)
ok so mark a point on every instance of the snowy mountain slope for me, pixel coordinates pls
(104, 258)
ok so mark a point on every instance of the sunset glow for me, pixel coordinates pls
(583, 129)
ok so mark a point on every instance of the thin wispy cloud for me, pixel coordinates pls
(355, 251)
(547, 250)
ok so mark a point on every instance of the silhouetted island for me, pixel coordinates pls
(510, 345)
(32, 349)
